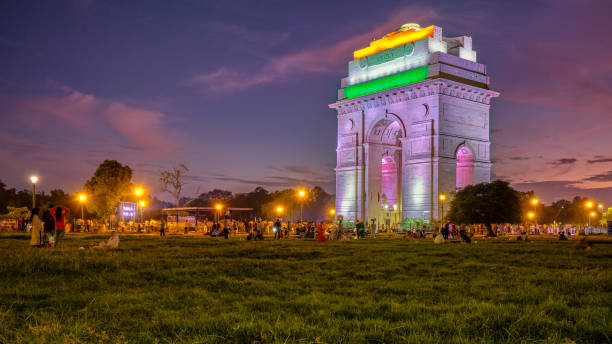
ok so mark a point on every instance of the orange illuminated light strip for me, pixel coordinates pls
(392, 41)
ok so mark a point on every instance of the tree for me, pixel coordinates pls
(172, 181)
(486, 203)
(111, 181)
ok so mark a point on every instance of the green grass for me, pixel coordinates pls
(195, 289)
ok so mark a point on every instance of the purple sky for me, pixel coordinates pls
(238, 90)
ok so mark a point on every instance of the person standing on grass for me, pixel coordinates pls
(36, 233)
(226, 227)
(59, 213)
(162, 226)
(49, 225)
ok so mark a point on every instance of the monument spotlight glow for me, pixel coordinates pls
(392, 40)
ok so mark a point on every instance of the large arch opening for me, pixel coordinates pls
(384, 170)
(389, 183)
(465, 167)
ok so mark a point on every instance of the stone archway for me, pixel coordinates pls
(465, 167)
(384, 169)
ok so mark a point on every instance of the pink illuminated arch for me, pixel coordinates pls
(465, 167)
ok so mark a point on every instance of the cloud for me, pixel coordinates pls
(323, 57)
(563, 161)
(139, 129)
(146, 129)
(519, 158)
(602, 177)
(600, 160)
(550, 191)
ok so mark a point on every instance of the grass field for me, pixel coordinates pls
(194, 289)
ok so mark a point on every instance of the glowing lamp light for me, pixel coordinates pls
(143, 203)
(442, 197)
(34, 179)
(279, 209)
(400, 79)
(589, 204)
(82, 198)
(535, 201)
(392, 40)
(333, 211)
(386, 206)
(531, 215)
(301, 193)
(395, 207)
(593, 213)
(138, 191)
(218, 206)
(600, 206)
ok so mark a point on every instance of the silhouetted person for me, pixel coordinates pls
(59, 213)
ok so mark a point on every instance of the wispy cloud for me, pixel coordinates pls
(602, 177)
(320, 58)
(600, 160)
(563, 161)
(139, 128)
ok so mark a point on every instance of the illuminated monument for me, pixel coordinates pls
(413, 122)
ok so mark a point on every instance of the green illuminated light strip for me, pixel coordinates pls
(387, 82)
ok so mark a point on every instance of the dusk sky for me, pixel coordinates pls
(239, 90)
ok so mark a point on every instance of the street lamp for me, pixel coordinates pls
(301, 194)
(591, 214)
(138, 192)
(34, 180)
(218, 207)
(142, 205)
(535, 203)
(442, 198)
(82, 199)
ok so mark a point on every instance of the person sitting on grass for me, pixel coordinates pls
(111, 243)
(562, 236)
(464, 236)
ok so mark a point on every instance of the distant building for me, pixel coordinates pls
(413, 123)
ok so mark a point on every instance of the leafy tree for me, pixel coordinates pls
(486, 203)
(110, 183)
(172, 181)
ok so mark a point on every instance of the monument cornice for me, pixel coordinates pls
(421, 89)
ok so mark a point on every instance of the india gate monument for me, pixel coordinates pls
(413, 123)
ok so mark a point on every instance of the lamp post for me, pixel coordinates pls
(589, 205)
(218, 207)
(535, 203)
(142, 204)
(138, 192)
(82, 199)
(301, 195)
(442, 198)
(34, 180)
